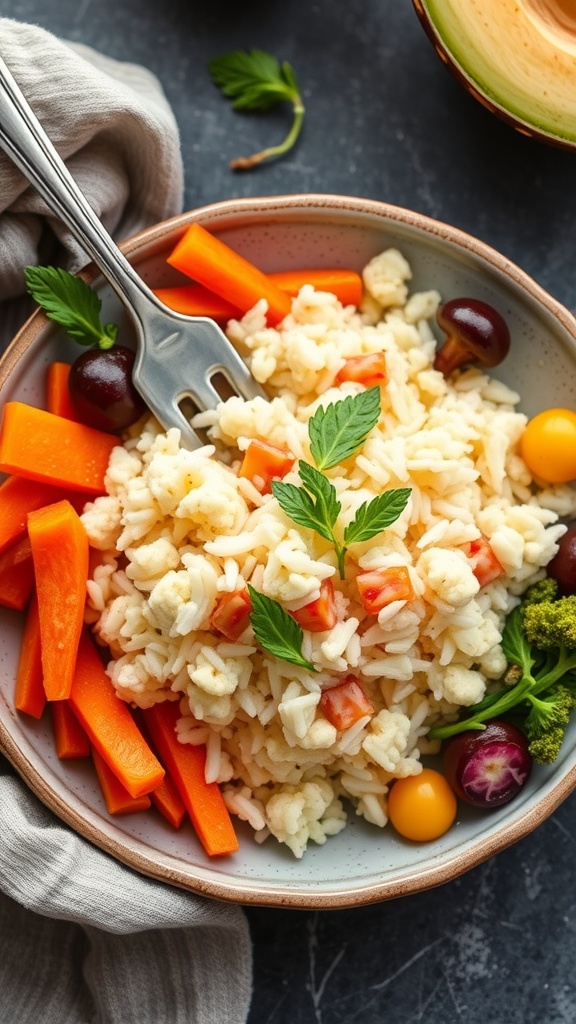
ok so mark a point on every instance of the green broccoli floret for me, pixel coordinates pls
(546, 748)
(551, 710)
(544, 590)
(551, 624)
(546, 722)
(539, 686)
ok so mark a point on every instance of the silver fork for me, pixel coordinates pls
(177, 356)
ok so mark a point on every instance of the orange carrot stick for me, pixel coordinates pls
(110, 725)
(16, 575)
(209, 261)
(196, 300)
(18, 552)
(16, 586)
(29, 693)
(167, 801)
(346, 285)
(185, 766)
(70, 739)
(60, 553)
(165, 798)
(116, 796)
(41, 446)
(58, 398)
(18, 497)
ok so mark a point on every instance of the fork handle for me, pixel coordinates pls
(25, 141)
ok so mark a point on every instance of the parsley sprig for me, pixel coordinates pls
(336, 432)
(70, 303)
(255, 80)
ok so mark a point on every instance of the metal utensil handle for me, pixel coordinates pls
(24, 139)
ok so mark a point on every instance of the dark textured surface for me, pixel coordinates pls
(385, 120)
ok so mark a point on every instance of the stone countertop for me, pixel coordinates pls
(386, 121)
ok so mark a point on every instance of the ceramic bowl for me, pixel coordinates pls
(363, 864)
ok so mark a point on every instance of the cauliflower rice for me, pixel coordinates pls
(177, 529)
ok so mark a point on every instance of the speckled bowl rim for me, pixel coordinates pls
(161, 866)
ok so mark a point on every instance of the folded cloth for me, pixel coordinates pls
(83, 939)
(112, 124)
(111, 947)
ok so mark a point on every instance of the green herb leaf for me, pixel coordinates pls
(255, 80)
(71, 303)
(375, 516)
(340, 429)
(315, 505)
(276, 631)
(322, 491)
(336, 432)
(301, 507)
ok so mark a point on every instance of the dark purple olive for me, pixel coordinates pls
(101, 388)
(562, 568)
(475, 333)
(488, 767)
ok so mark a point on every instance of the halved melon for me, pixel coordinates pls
(518, 57)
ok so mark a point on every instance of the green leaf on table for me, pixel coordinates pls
(253, 79)
(256, 80)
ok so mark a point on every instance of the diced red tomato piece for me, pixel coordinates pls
(232, 614)
(320, 614)
(369, 369)
(345, 704)
(263, 463)
(379, 587)
(485, 565)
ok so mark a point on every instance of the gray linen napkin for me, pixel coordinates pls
(112, 124)
(83, 939)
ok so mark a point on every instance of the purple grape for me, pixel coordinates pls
(562, 567)
(101, 388)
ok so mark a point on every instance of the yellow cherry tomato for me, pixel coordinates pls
(548, 445)
(422, 807)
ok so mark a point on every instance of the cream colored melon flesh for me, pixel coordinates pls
(518, 57)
